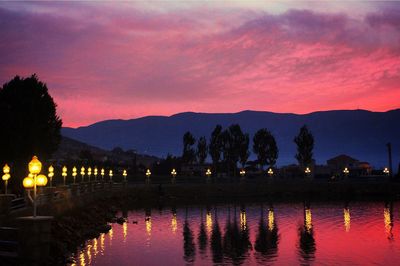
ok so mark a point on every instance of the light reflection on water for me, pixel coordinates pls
(282, 234)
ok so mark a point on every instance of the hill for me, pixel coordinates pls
(359, 133)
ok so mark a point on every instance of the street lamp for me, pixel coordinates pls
(242, 172)
(307, 171)
(102, 174)
(111, 175)
(125, 174)
(83, 173)
(346, 171)
(51, 174)
(89, 172)
(6, 176)
(34, 179)
(95, 174)
(148, 173)
(208, 172)
(386, 171)
(173, 173)
(64, 174)
(74, 173)
(270, 172)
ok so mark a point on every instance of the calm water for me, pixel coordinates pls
(282, 234)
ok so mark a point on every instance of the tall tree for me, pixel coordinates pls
(305, 145)
(232, 139)
(202, 150)
(29, 123)
(244, 150)
(264, 146)
(189, 154)
(214, 147)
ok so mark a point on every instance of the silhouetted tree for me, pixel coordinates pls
(264, 146)
(189, 247)
(305, 145)
(202, 150)
(202, 237)
(244, 150)
(189, 154)
(215, 146)
(232, 141)
(29, 124)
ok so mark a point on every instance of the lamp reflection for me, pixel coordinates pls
(95, 246)
(306, 234)
(346, 219)
(89, 253)
(174, 222)
(111, 234)
(388, 219)
(271, 220)
(209, 221)
(125, 230)
(243, 221)
(102, 243)
(82, 259)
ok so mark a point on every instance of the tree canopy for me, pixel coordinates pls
(28, 120)
(305, 145)
(264, 146)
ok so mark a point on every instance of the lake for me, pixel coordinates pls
(358, 233)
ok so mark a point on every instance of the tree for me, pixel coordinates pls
(202, 150)
(215, 146)
(264, 146)
(189, 155)
(232, 140)
(29, 123)
(244, 150)
(305, 145)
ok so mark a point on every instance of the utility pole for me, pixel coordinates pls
(389, 147)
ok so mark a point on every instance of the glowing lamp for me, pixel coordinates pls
(64, 171)
(270, 172)
(35, 166)
(51, 171)
(148, 173)
(173, 173)
(41, 180)
(242, 173)
(6, 169)
(5, 177)
(28, 182)
(208, 172)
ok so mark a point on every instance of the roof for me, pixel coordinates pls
(342, 157)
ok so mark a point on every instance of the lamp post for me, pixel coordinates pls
(110, 174)
(386, 171)
(6, 176)
(102, 174)
(307, 171)
(270, 172)
(125, 174)
(173, 174)
(34, 179)
(95, 173)
(74, 173)
(83, 173)
(64, 174)
(89, 172)
(242, 173)
(208, 173)
(346, 172)
(51, 174)
(148, 174)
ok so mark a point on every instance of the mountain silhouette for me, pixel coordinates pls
(359, 133)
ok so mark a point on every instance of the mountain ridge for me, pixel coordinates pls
(358, 133)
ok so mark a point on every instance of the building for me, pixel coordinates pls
(339, 163)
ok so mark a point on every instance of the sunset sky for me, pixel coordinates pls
(104, 60)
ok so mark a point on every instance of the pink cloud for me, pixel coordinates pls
(103, 62)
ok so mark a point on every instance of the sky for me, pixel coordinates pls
(122, 60)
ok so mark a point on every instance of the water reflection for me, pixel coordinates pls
(216, 241)
(306, 236)
(388, 219)
(234, 231)
(236, 241)
(346, 218)
(202, 237)
(188, 241)
(266, 243)
(174, 222)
